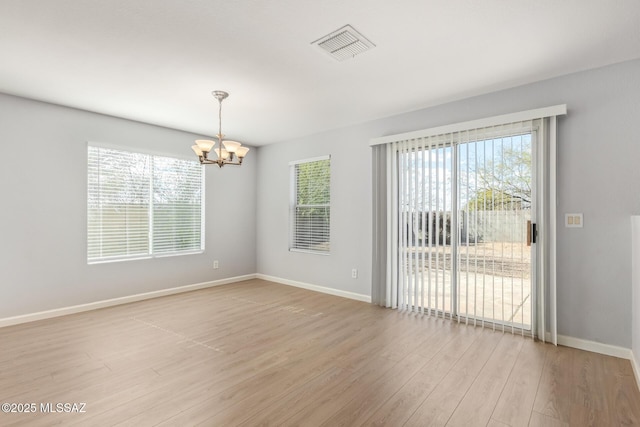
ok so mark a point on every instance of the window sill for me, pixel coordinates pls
(309, 251)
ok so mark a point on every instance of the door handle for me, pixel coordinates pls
(532, 233)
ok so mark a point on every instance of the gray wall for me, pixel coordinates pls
(597, 175)
(350, 212)
(43, 213)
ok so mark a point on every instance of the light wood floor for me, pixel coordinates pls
(258, 353)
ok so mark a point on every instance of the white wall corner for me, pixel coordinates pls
(32, 317)
(316, 288)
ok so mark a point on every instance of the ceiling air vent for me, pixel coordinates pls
(344, 43)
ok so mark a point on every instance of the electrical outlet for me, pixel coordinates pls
(215, 264)
(354, 273)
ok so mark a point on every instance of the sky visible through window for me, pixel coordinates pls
(492, 174)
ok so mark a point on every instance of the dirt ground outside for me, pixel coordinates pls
(494, 281)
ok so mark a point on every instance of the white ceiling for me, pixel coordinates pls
(157, 61)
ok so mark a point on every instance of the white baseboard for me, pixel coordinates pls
(636, 369)
(8, 321)
(596, 347)
(322, 289)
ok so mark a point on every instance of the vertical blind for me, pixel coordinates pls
(464, 202)
(451, 207)
(142, 205)
(310, 205)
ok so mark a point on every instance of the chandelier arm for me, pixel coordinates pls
(220, 163)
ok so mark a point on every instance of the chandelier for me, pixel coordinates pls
(228, 152)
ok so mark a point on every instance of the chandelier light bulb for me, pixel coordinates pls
(241, 152)
(231, 146)
(205, 145)
(197, 150)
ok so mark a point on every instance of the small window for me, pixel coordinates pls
(310, 205)
(141, 205)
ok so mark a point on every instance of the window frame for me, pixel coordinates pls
(293, 206)
(150, 254)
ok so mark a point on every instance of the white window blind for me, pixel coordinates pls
(310, 205)
(141, 205)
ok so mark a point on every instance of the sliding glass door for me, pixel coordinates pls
(465, 205)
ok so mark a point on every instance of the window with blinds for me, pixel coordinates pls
(310, 205)
(142, 205)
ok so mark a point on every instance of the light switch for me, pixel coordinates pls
(573, 220)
